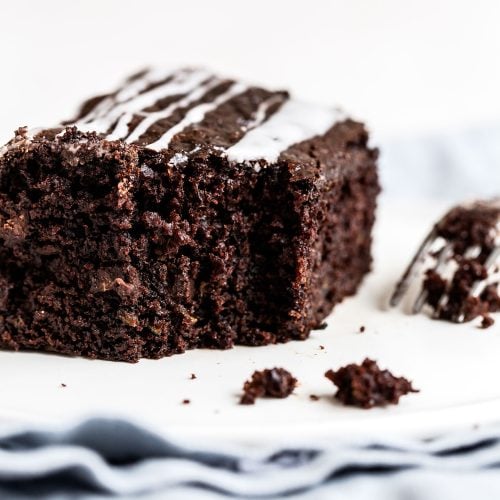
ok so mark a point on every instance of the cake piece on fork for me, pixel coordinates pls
(183, 210)
(464, 252)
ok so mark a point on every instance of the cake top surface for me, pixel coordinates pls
(472, 224)
(155, 108)
(189, 110)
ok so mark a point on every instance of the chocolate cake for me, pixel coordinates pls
(366, 385)
(183, 210)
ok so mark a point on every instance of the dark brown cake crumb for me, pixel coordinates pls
(362, 329)
(366, 385)
(322, 326)
(193, 376)
(63, 385)
(273, 383)
(460, 302)
(313, 397)
(322, 347)
(435, 287)
(186, 401)
(487, 321)
(491, 297)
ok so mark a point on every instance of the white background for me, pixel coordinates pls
(405, 67)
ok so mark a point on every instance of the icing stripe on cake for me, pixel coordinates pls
(294, 122)
(261, 112)
(114, 109)
(196, 115)
(265, 136)
(152, 118)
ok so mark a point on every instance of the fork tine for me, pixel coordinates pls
(419, 302)
(410, 272)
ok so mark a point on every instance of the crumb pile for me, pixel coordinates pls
(366, 385)
(272, 383)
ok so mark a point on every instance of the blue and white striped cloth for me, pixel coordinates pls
(104, 458)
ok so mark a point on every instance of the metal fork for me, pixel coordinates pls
(442, 250)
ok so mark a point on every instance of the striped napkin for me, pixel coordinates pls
(103, 458)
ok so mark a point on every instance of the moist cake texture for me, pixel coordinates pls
(183, 210)
(473, 233)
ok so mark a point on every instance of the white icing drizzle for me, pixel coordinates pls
(132, 101)
(122, 107)
(196, 115)
(294, 122)
(264, 138)
(260, 114)
(128, 91)
(178, 159)
(152, 118)
(121, 127)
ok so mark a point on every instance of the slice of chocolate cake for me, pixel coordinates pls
(183, 210)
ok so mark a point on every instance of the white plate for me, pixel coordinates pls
(456, 368)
